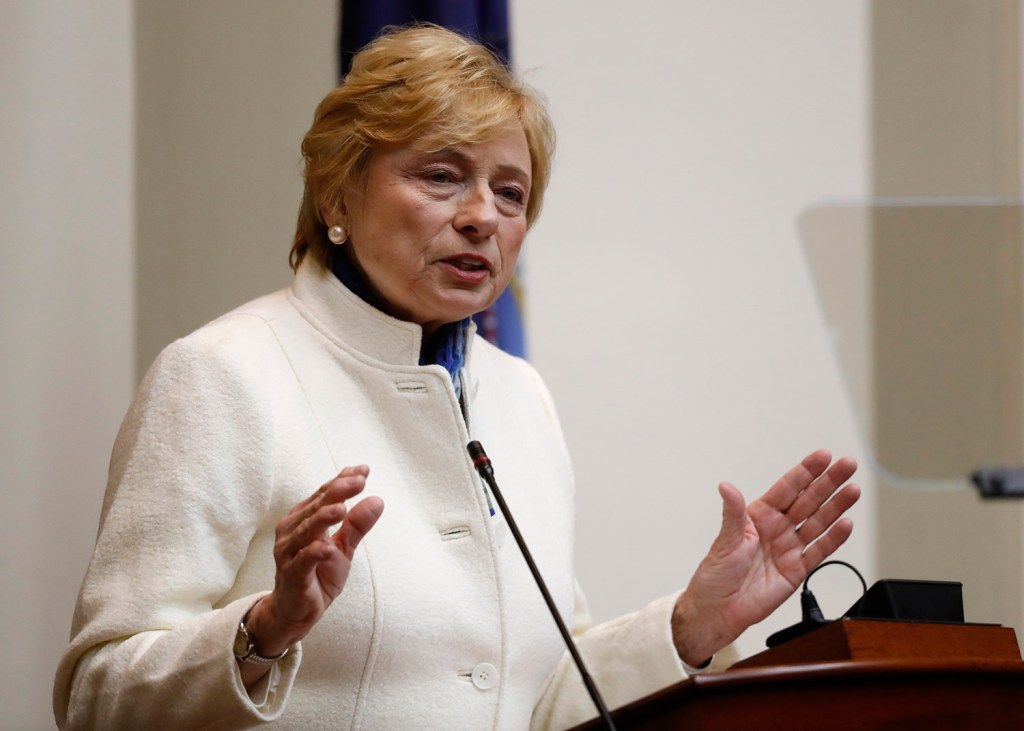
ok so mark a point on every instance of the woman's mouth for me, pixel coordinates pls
(468, 268)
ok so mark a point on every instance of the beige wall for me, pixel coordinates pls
(226, 90)
(946, 121)
(670, 307)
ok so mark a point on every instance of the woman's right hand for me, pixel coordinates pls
(312, 564)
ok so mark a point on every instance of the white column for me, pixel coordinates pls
(66, 315)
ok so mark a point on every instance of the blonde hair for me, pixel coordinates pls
(415, 83)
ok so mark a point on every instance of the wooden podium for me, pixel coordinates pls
(852, 674)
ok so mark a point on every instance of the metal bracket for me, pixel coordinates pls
(999, 481)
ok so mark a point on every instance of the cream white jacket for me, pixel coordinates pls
(439, 626)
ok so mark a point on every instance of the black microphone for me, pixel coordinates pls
(811, 616)
(483, 465)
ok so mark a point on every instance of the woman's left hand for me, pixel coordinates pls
(763, 553)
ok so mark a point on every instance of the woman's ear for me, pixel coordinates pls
(333, 212)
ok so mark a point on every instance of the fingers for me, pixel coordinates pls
(357, 523)
(817, 512)
(805, 507)
(784, 492)
(349, 483)
(309, 520)
(361, 518)
(814, 496)
(734, 512)
(805, 489)
(819, 521)
(825, 546)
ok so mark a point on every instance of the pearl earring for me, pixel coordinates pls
(337, 234)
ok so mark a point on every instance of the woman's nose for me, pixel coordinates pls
(477, 215)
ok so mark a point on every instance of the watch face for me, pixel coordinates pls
(241, 642)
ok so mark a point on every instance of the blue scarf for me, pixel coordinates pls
(447, 346)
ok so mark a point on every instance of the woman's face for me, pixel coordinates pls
(437, 234)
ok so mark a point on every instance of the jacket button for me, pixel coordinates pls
(485, 676)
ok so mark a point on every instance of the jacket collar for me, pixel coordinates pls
(351, 323)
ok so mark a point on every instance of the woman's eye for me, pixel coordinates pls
(513, 195)
(440, 176)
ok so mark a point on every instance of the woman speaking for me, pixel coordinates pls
(241, 577)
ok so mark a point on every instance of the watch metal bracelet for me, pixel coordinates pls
(245, 648)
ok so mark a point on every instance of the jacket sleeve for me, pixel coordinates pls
(627, 658)
(190, 484)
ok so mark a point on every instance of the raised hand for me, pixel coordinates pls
(763, 553)
(312, 564)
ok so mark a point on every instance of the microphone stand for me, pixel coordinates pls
(483, 465)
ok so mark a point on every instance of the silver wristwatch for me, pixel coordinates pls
(245, 649)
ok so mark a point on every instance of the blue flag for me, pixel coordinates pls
(362, 20)
(486, 21)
